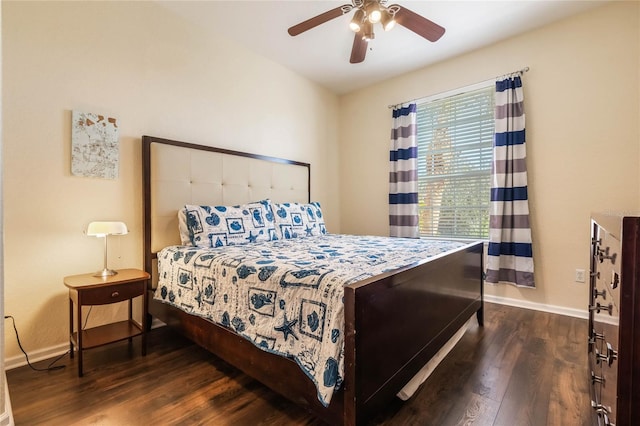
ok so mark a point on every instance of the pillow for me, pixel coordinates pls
(295, 220)
(185, 238)
(217, 226)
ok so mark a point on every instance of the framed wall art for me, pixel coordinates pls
(94, 145)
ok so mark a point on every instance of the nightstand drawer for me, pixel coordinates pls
(112, 294)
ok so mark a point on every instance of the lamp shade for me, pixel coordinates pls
(387, 20)
(102, 229)
(356, 22)
(373, 12)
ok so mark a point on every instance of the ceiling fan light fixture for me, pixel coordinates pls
(373, 12)
(366, 14)
(356, 22)
(387, 20)
(368, 33)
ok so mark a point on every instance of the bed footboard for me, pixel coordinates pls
(396, 323)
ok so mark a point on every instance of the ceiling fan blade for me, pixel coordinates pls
(418, 24)
(359, 49)
(320, 19)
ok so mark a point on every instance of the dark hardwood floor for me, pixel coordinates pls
(522, 368)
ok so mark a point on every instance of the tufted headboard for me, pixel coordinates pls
(178, 173)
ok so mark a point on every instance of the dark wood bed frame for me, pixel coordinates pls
(394, 324)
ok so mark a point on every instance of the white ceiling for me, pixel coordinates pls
(322, 53)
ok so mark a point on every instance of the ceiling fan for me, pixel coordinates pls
(368, 13)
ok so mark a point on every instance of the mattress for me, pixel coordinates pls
(286, 296)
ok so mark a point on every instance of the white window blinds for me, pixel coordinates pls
(455, 136)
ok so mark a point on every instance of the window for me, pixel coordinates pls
(455, 136)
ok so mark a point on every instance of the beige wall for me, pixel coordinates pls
(582, 111)
(157, 76)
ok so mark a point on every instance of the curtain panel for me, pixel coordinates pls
(510, 254)
(403, 174)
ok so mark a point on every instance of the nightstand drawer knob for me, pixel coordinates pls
(115, 294)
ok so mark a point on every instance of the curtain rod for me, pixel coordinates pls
(519, 72)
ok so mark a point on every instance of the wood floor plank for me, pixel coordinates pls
(476, 410)
(568, 395)
(522, 367)
(527, 396)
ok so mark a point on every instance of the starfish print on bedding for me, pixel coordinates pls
(309, 231)
(252, 238)
(286, 328)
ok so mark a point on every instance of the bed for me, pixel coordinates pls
(394, 321)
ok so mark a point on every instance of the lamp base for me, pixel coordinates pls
(105, 273)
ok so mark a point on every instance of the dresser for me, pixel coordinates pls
(614, 319)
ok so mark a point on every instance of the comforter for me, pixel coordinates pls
(286, 296)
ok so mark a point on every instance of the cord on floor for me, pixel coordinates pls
(50, 367)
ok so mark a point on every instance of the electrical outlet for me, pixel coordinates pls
(580, 276)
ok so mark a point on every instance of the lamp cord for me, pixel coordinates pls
(50, 367)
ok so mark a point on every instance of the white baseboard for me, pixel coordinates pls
(50, 352)
(553, 309)
(35, 356)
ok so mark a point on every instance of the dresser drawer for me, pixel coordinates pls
(614, 320)
(608, 360)
(112, 294)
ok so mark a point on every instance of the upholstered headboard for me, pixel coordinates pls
(178, 173)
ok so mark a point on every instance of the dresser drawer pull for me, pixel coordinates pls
(596, 379)
(593, 338)
(609, 357)
(115, 294)
(598, 307)
(599, 408)
(597, 293)
(604, 254)
(615, 280)
(612, 355)
(603, 413)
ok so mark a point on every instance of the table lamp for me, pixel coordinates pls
(103, 230)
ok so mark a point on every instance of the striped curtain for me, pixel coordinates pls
(510, 257)
(403, 174)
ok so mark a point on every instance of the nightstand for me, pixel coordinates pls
(86, 289)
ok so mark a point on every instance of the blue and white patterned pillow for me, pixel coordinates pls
(296, 220)
(185, 238)
(217, 226)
